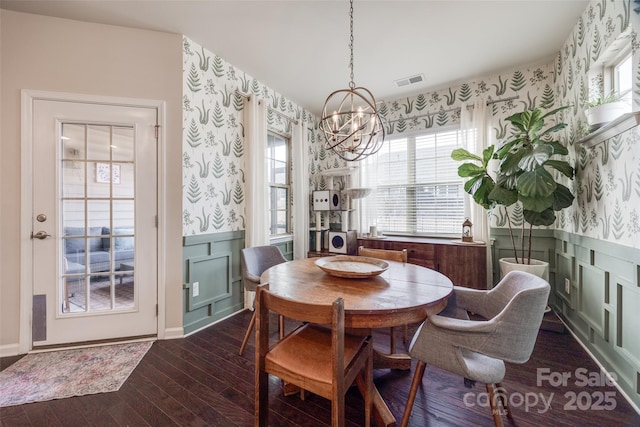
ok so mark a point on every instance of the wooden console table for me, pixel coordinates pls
(465, 264)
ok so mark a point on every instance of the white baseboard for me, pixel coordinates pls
(9, 350)
(173, 333)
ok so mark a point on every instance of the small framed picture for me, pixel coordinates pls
(105, 174)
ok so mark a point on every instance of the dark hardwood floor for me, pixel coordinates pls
(202, 381)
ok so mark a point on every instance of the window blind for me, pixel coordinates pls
(418, 190)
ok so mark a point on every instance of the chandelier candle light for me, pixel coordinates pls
(350, 120)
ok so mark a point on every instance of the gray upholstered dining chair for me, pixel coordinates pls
(253, 262)
(477, 349)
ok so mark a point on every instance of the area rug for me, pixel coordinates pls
(59, 374)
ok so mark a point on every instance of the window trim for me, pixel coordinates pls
(286, 186)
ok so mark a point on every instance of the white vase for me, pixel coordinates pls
(537, 267)
(602, 114)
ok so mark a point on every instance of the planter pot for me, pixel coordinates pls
(602, 114)
(537, 267)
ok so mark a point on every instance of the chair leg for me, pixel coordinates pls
(405, 334)
(392, 342)
(502, 394)
(262, 400)
(417, 380)
(495, 409)
(248, 333)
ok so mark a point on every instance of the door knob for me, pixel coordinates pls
(40, 235)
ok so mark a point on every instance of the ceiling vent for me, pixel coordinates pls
(418, 78)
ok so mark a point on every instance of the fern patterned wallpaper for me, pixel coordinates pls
(213, 163)
(607, 185)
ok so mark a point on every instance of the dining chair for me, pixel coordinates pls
(389, 255)
(315, 357)
(477, 349)
(253, 262)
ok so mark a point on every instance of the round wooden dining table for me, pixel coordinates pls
(404, 293)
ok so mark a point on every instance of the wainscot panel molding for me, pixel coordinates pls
(213, 262)
(598, 296)
(286, 247)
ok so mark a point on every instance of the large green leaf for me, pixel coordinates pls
(510, 164)
(552, 129)
(470, 169)
(562, 198)
(480, 187)
(507, 181)
(503, 196)
(504, 149)
(536, 204)
(536, 184)
(460, 154)
(557, 147)
(487, 155)
(546, 217)
(535, 158)
(562, 167)
(552, 112)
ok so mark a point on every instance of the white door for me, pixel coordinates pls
(94, 222)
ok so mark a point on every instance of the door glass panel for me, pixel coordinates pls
(73, 178)
(98, 227)
(123, 183)
(99, 142)
(122, 147)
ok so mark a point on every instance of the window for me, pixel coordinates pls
(279, 172)
(622, 78)
(419, 191)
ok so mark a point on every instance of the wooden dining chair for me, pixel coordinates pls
(389, 255)
(253, 262)
(316, 358)
(386, 254)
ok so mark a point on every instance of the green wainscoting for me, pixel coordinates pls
(598, 296)
(595, 289)
(286, 248)
(212, 260)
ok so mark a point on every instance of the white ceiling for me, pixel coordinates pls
(300, 48)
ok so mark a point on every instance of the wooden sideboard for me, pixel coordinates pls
(465, 264)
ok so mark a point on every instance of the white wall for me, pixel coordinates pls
(51, 54)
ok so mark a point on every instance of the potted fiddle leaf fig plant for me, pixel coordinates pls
(527, 160)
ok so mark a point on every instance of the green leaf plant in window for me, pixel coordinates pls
(527, 165)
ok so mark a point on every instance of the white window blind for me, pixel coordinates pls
(418, 190)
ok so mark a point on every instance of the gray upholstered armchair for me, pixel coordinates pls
(475, 349)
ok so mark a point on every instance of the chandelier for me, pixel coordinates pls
(350, 120)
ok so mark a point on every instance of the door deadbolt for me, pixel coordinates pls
(41, 218)
(41, 235)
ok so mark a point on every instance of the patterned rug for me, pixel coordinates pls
(59, 374)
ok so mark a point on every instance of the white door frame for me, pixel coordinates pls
(26, 194)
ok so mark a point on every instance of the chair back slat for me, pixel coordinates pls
(385, 254)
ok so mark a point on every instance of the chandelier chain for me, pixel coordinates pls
(352, 85)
